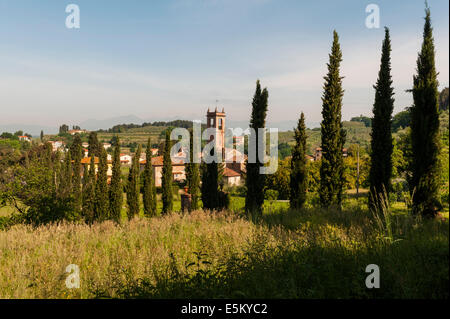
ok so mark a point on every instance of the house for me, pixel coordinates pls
(178, 169)
(154, 151)
(106, 145)
(25, 138)
(73, 132)
(86, 164)
(318, 153)
(57, 145)
(85, 145)
(231, 177)
(85, 152)
(125, 159)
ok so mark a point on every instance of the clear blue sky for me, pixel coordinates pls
(173, 59)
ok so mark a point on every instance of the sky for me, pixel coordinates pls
(174, 58)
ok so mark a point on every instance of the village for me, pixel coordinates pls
(233, 173)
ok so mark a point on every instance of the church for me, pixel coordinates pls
(233, 168)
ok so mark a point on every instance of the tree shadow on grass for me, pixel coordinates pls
(413, 268)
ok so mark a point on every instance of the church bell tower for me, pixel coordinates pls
(216, 120)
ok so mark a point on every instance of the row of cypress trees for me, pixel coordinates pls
(94, 199)
(424, 162)
(424, 180)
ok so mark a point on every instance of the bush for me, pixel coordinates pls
(271, 194)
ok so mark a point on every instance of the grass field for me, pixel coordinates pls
(311, 253)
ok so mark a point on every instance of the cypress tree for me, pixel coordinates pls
(101, 189)
(333, 135)
(116, 188)
(254, 180)
(425, 128)
(76, 155)
(133, 187)
(55, 164)
(299, 176)
(210, 185)
(42, 136)
(381, 136)
(94, 145)
(167, 190)
(193, 175)
(88, 192)
(149, 191)
(66, 172)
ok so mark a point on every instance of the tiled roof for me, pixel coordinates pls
(228, 172)
(87, 160)
(158, 161)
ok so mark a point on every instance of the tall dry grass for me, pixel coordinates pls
(33, 260)
(289, 254)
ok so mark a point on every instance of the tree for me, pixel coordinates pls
(425, 128)
(255, 181)
(31, 191)
(401, 120)
(42, 136)
(133, 187)
(88, 192)
(167, 178)
(193, 176)
(101, 189)
(444, 99)
(63, 129)
(333, 135)
(76, 153)
(210, 185)
(94, 148)
(149, 190)
(299, 175)
(363, 119)
(381, 136)
(280, 181)
(116, 188)
(65, 177)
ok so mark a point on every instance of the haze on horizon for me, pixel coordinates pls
(174, 59)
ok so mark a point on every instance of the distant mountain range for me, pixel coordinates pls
(94, 124)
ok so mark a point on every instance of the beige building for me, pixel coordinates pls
(178, 169)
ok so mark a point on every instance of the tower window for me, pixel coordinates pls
(220, 124)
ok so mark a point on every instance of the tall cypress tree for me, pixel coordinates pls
(76, 155)
(193, 176)
(299, 176)
(166, 180)
(333, 135)
(116, 188)
(65, 184)
(149, 191)
(133, 187)
(254, 180)
(425, 128)
(381, 136)
(210, 185)
(94, 145)
(88, 192)
(101, 189)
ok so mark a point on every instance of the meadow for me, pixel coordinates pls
(311, 253)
